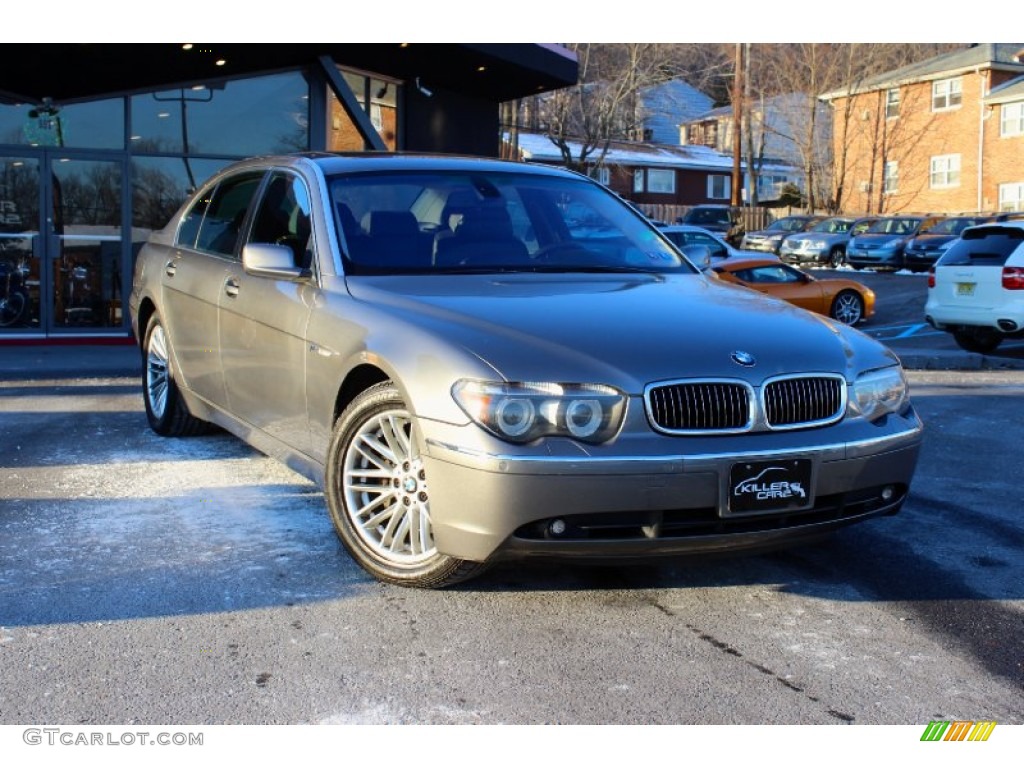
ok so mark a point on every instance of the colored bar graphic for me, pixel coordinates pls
(958, 730)
(982, 731)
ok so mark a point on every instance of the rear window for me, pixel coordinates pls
(984, 246)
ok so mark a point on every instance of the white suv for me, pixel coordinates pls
(976, 290)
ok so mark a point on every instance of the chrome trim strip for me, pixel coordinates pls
(661, 464)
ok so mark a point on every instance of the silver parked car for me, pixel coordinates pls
(824, 243)
(482, 360)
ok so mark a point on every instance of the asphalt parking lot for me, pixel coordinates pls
(146, 580)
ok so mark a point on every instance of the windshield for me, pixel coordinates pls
(707, 216)
(458, 222)
(834, 226)
(788, 224)
(894, 227)
(952, 226)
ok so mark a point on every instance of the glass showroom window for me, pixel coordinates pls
(218, 119)
(1011, 197)
(1011, 121)
(946, 94)
(892, 103)
(891, 180)
(661, 180)
(638, 180)
(719, 187)
(945, 171)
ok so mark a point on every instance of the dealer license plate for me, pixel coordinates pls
(965, 289)
(770, 486)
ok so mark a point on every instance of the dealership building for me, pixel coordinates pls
(101, 143)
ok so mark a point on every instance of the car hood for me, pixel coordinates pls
(934, 240)
(827, 237)
(625, 330)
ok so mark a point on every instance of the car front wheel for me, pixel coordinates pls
(378, 494)
(166, 411)
(836, 257)
(848, 308)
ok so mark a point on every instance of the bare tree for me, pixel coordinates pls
(605, 105)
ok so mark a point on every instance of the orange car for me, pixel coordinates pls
(845, 300)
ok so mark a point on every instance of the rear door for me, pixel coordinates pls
(194, 279)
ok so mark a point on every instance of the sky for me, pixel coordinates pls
(518, 21)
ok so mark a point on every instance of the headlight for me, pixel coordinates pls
(879, 392)
(775, 238)
(525, 411)
(817, 245)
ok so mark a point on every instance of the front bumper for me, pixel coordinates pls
(760, 244)
(875, 257)
(803, 255)
(490, 507)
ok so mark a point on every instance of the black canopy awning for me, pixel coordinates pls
(80, 71)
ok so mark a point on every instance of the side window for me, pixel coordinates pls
(225, 214)
(714, 247)
(283, 217)
(189, 229)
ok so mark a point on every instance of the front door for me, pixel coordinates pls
(63, 254)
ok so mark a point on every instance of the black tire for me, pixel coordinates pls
(847, 307)
(980, 340)
(836, 257)
(166, 411)
(376, 486)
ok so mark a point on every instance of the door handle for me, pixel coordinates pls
(231, 287)
(170, 268)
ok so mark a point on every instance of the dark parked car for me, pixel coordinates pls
(770, 238)
(714, 218)
(883, 244)
(925, 249)
(824, 243)
(482, 360)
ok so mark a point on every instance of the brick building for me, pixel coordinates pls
(945, 135)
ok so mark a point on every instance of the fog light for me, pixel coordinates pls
(888, 492)
(557, 527)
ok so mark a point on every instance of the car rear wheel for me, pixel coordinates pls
(981, 340)
(378, 496)
(847, 308)
(836, 257)
(166, 411)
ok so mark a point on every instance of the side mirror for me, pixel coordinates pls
(273, 261)
(700, 255)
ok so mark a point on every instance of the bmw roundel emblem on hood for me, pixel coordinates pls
(743, 358)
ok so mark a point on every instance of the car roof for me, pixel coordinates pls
(735, 263)
(348, 162)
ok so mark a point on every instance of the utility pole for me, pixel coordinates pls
(737, 120)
